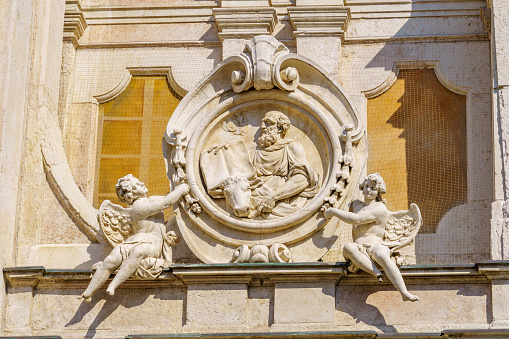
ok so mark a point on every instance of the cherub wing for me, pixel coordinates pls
(116, 222)
(402, 227)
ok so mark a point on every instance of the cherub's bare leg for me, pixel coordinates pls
(382, 255)
(102, 274)
(351, 252)
(130, 265)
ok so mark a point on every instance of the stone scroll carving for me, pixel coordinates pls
(378, 233)
(141, 246)
(278, 253)
(261, 62)
(270, 142)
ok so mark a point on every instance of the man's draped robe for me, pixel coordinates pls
(275, 165)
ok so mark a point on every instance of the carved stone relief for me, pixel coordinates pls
(266, 142)
(141, 246)
(379, 234)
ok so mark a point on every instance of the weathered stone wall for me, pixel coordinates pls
(51, 92)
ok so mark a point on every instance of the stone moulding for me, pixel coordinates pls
(244, 23)
(255, 274)
(399, 65)
(319, 21)
(64, 187)
(74, 22)
(141, 71)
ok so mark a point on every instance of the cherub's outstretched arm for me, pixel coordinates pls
(349, 217)
(159, 204)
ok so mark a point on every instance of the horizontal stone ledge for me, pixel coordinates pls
(263, 274)
(266, 335)
(456, 333)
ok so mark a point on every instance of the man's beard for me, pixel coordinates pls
(267, 139)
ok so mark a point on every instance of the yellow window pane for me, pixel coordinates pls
(133, 128)
(158, 183)
(156, 136)
(129, 103)
(113, 169)
(164, 101)
(121, 137)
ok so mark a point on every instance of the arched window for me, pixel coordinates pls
(417, 141)
(130, 133)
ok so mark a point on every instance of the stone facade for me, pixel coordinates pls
(83, 79)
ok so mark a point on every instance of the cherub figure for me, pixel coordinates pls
(138, 234)
(378, 233)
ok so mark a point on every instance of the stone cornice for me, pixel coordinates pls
(255, 274)
(319, 21)
(74, 21)
(264, 274)
(494, 270)
(24, 276)
(245, 22)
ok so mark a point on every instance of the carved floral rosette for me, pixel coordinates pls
(226, 108)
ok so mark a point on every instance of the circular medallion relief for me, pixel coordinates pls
(262, 162)
(261, 165)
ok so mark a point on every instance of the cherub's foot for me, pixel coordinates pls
(110, 291)
(409, 297)
(352, 268)
(85, 299)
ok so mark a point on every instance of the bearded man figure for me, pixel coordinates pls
(288, 178)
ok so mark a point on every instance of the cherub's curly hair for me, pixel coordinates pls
(125, 190)
(380, 184)
(283, 123)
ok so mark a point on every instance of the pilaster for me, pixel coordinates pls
(499, 26)
(498, 274)
(237, 25)
(74, 27)
(319, 31)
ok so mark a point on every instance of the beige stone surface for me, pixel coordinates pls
(379, 306)
(500, 309)
(296, 303)
(138, 34)
(323, 50)
(19, 306)
(182, 34)
(98, 71)
(129, 311)
(260, 308)
(216, 304)
(15, 52)
(61, 256)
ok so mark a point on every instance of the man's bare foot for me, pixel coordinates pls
(85, 299)
(409, 297)
(110, 292)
